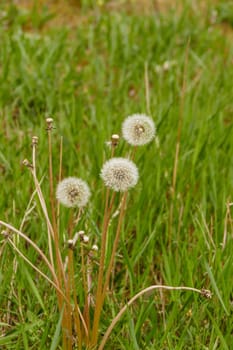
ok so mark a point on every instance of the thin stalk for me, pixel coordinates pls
(50, 227)
(58, 223)
(59, 179)
(131, 154)
(72, 288)
(34, 245)
(55, 285)
(71, 283)
(51, 185)
(85, 288)
(28, 210)
(33, 170)
(178, 140)
(205, 293)
(115, 245)
(68, 315)
(147, 88)
(51, 232)
(227, 219)
(89, 285)
(98, 298)
(109, 270)
(60, 269)
(44, 258)
(68, 288)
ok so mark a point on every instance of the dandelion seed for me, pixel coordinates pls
(138, 129)
(73, 192)
(119, 174)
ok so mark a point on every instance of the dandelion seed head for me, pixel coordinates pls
(73, 192)
(138, 129)
(119, 174)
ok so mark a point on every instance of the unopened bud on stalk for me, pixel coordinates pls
(115, 140)
(75, 239)
(35, 140)
(95, 248)
(85, 239)
(5, 233)
(206, 293)
(49, 122)
(26, 163)
(70, 243)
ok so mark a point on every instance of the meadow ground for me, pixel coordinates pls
(89, 65)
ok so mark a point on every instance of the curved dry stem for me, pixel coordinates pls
(43, 256)
(27, 212)
(34, 245)
(138, 295)
(37, 270)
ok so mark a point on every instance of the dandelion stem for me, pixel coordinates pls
(131, 301)
(72, 286)
(178, 140)
(85, 287)
(59, 179)
(147, 88)
(40, 195)
(115, 245)
(101, 272)
(60, 269)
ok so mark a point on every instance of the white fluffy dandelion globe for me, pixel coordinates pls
(138, 129)
(119, 174)
(73, 192)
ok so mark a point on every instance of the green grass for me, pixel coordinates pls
(89, 79)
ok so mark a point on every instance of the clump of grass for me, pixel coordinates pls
(80, 300)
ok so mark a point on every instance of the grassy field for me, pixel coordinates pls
(177, 67)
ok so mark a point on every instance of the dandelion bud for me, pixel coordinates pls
(119, 174)
(73, 192)
(206, 293)
(35, 140)
(138, 129)
(5, 233)
(85, 239)
(95, 248)
(70, 243)
(75, 239)
(49, 122)
(115, 140)
(26, 163)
